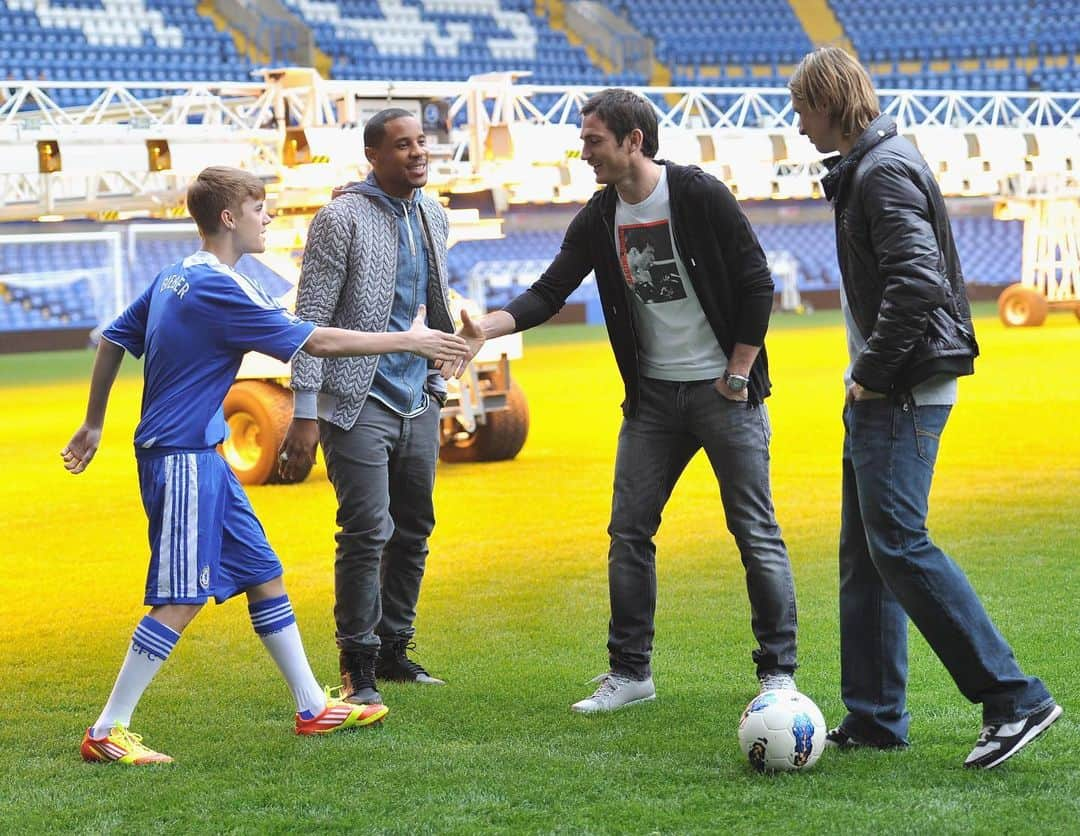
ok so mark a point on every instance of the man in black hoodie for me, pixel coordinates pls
(689, 342)
(910, 336)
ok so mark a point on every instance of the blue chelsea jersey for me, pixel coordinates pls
(194, 323)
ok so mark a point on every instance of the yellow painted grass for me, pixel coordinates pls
(523, 543)
(1009, 464)
(514, 614)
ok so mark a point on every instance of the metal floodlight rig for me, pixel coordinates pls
(122, 155)
(1024, 149)
(1020, 147)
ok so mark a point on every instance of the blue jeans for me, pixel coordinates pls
(673, 422)
(890, 570)
(383, 471)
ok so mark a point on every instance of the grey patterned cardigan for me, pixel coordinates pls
(347, 281)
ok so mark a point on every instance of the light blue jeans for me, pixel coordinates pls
(673, 422)
(890, 570)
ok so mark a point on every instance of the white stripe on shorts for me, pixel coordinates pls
(178, 549)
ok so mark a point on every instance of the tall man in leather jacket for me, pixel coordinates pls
(910, 337)
(688, 331)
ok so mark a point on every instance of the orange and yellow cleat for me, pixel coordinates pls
(119, 746)
(340, 714)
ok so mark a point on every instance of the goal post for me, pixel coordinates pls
(60, 280)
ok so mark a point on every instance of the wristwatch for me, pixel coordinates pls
(735, 382)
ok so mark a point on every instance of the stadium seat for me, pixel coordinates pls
(93, 43)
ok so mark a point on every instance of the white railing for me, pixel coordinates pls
(251, 105)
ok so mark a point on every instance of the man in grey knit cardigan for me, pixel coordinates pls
(374, 255)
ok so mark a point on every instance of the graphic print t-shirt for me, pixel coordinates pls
(675, 341)
(195, 322)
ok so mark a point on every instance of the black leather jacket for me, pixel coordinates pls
(899, 265)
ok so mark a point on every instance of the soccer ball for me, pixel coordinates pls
(782, 731)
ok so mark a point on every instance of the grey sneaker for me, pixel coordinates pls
(614, 692)
(776, 682)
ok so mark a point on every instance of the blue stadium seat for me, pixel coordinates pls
(450, 44)
(81, 41)
(1010, 30)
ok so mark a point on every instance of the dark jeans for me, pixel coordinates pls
(673, 422)
(890, 569)
(383, 471)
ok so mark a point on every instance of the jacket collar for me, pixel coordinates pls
(676, 177)
(370, 187)
(881, 129)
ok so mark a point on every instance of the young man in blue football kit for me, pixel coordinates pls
(194, 323)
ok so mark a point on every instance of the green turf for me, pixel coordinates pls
(514, 615)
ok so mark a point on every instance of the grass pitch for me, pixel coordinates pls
(514, 614)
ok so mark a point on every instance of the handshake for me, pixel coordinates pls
(451, 352)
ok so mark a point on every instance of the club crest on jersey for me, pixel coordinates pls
(204, 578)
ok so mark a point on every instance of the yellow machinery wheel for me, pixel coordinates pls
(1020, 306)
(258, 413)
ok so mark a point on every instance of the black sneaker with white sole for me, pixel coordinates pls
(839, 739)
(997, 744)
(394, 665)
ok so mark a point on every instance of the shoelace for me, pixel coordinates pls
(334, 693)
(361, 673)
(985, 735)
(134, 741)
(774, 681)
(607, 687)
(415, 668)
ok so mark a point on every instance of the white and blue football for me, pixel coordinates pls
(782, 731)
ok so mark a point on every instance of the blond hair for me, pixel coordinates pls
(218, 188)
(829, 79)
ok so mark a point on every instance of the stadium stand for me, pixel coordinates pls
(447, 40)
(749, 39)
(935, 44)
(911, 30)
(966, 45)
(129, 40)
(930, 44)
(49, 287)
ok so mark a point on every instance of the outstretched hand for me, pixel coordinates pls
(81, 449)
(434, 345)
(473, 335)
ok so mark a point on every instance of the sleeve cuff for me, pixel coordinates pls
(305, 405)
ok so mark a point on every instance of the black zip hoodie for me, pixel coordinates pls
(716, 243)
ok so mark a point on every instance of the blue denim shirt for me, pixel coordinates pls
(400, 377)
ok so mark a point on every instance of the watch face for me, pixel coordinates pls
(736, 383)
